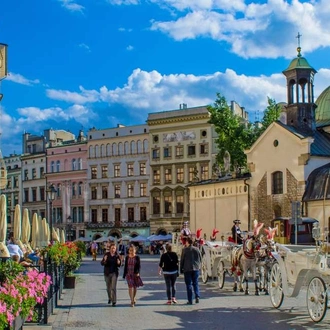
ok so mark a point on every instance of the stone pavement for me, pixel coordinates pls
(85, 307)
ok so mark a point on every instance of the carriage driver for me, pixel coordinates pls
(185, 233)
(236, 232)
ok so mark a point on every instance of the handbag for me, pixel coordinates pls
(138, 281)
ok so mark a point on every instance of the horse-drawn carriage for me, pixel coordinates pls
(251, 259)
(297, 266)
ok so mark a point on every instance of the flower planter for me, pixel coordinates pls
(69, 282)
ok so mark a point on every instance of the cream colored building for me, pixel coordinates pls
(118, 179)
(214, 204)
(182, 151)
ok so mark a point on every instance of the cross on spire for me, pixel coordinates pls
(298, 37)
(298, 48)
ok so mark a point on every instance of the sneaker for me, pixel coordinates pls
(197, 300)
(174, 301)
(109, 301)
(169, 302)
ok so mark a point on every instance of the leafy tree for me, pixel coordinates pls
(271, 114)
(234, 134)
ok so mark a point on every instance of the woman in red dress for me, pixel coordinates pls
(132, 273)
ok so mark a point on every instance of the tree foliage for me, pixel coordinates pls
(271, 114)
(235, 134)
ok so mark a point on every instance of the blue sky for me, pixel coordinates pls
(95, 63)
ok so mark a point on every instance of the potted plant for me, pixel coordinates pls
(68, 253)
(19, 293)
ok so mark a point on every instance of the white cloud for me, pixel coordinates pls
(124, 2)
(121, 29)
(253, 30)
(85, 96)
(129, 47)
(86, 47)
(19, 79)
(72, 6)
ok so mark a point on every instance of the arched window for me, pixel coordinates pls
(145, 146)
(52, 166)
(73, 189)
(133, 149)
(277, 183)
(58, 166)
(114, 149)
(91, 152)
(74, 164)
(97, 151)
(59, 187)
(80, 185)
(79, 164)
(103, 150)
(108, 149)
(120, 149)
(126, 148)
(139, 147)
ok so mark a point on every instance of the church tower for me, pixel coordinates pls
(300, 107)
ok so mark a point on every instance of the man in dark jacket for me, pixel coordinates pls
(190, 264)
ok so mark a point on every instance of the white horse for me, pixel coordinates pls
(244, 260)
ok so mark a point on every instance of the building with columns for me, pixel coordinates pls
(182, 150)
(118, 181)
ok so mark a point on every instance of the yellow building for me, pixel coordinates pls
(182, 150)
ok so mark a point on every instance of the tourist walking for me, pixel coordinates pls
(94, 247)
(169, 266)
(190, 264)
(132, 273)
(111, 262)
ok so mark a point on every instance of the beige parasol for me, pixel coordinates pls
(26, 230)
(44, 233)
(62, 236)
(4, 253)
(18, 227)
(35, 231)
(55, 235)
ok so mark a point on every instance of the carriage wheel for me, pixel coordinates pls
(221, 274)
(317, 299)
(204, 274)
(275, 286)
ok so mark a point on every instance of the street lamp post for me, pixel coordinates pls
(51, 195)
(69, 228)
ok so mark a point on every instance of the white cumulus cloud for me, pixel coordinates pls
(19, 79)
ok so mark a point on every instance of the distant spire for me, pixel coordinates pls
(299, 48)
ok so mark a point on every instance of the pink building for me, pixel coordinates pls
(67, 171)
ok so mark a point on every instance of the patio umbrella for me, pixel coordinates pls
(62, 236)
(40, 232)
(138, 238)
(26, 230)
(18, 227)
(44, 230)
(104, 239)
(4, 253)
(35, 231)
(55, 236)
(83, 239)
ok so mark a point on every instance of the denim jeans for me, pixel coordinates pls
(170, 280)
(191, 280)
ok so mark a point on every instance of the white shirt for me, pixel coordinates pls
(14, 249)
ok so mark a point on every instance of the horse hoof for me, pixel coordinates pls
(266, 293)
(246, 293)
(235, 289)
(241, 290)
(257, 294)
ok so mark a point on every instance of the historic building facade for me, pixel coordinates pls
(67, 171)
(118, 181)
(182, 150)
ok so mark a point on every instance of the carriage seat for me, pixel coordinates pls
(230, 239)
